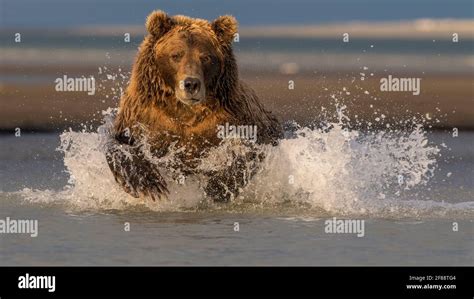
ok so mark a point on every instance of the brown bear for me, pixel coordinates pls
(184, 84)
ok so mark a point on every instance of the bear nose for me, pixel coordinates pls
(192, 85)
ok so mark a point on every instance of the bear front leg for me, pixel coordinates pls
(137, 175)
(225, 185)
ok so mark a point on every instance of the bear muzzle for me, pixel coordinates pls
(191, 90)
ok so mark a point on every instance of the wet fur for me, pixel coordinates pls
(149, 108)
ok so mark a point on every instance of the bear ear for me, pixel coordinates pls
(225, 27)
(158, 23)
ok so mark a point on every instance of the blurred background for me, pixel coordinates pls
(279, 41)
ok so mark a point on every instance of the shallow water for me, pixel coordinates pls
(82, 213)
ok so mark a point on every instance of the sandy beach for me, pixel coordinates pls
(444, 102)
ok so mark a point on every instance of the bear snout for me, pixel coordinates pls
(192, 85)
(191, 90)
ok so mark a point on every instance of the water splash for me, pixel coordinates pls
(326, 171)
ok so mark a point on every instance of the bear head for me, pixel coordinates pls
(186, 62)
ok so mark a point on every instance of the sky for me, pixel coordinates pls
(74, 13)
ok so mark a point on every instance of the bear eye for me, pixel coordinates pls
(206, 58)
(176, 56)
